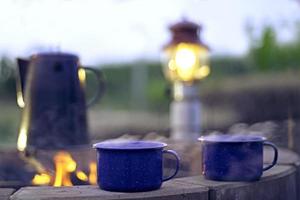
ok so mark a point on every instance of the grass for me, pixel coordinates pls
(9, 122)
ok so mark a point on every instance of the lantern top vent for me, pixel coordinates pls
(185, 32)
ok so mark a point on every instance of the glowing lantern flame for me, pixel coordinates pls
(186, 62)
(185, 58)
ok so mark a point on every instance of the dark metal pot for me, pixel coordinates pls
(51, 87)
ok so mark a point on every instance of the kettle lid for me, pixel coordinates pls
(55, 55)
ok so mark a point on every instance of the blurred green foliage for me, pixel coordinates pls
(8, 129)
(268, 54)
(117, 80)
(7, 78)
(118, 83)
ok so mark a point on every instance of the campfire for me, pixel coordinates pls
(65, 167)
(75, 165)
(66, 172)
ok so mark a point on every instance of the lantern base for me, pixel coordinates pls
(185, 119)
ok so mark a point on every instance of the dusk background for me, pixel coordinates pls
(254, 47)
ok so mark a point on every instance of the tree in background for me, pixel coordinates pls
(268, 54)
(265, 53)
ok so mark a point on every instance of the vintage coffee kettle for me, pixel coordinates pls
(51, 87)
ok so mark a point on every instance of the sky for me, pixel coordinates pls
(107, 31)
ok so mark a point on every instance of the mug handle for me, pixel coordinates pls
(173, 153)
(101, 85)
(275, 155)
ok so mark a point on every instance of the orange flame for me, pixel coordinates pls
(65, 165)
(93, 173)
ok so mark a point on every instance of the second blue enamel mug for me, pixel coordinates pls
(133, 166)
(234, 157)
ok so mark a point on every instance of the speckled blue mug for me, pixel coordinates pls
(234, 157)
(133, 166)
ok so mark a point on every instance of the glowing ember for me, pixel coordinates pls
(82, 176)
(41, 179)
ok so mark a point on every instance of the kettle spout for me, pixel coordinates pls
(22, 69)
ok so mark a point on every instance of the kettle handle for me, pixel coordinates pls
(101, 85)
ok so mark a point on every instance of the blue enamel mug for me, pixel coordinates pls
(234, 157)
(132, 166)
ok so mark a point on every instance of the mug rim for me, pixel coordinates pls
(129, 145)
(231, 138)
